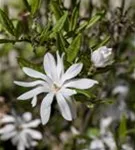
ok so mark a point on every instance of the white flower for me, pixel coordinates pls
(102, 57)
(20, 130)
(104, 124)
(56, 83)
(97, 144)
(121, 89)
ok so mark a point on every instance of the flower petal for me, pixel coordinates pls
(45, 109)
(60, 65)
(7, 129)
(7, 136)
(50, 66)
(32, 93)
(27, 116)
(20, 145)
(34, 134)
(33, 73)
(67, 92)
(64, 107)
(23, 138)
(71, 103)
(81, 83)
(30, 84)
(34, 101)
(32, 124)
(7, 119)
(72, 71)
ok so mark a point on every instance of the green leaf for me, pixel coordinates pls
(59, 25)
(61, 42)
(74, 48)
(45, 33)
(122, 129)
(25, 63)
(95, 19)
(35, 4)
(84, 92)
(74, 18)
(19, 29)
(82, 27)
(6, 41)
(55, 8)
(6, 22)
(91, 22)
(104, 42)
(27, 5)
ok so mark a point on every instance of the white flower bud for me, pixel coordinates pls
(102, 57)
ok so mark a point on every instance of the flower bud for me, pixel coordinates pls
(102, 57)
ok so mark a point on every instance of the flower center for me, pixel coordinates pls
(19, 128)
(55, 88)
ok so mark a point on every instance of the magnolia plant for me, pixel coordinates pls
(81, 43)
(20, 130)
(56, 83)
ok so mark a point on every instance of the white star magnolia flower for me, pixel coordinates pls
(19, 131)
(102, 57)
(56, 83)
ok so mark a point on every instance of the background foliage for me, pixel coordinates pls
(30, 28)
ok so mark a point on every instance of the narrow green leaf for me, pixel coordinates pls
(35, 4)
(55, 8)
(45, 33)
(74, 48)
(74, 19)
(25, 63)
(61, 42)
(6, 41)
(104, 42)
(27, 5)
(84, 92)
(95, 19)
(19, 29)
(122, 129)
(91, 22)
(59, 25)
(82, 27)
(6, 22)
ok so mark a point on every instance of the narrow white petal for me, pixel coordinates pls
(45, 109)
(32, 124)
(81, 83)
(32, 93)
(60, 66)
(15, 139)
(50, 66)
(30, 84)
(20, 146)
(64, 107)
(7, 129)
(71, 103)
(33, 73)
(27, 116)
(24, 139)
(34, 134)
(34, 101)
(7, 119)
(72, 71)
(7, 136)
(67, 92)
